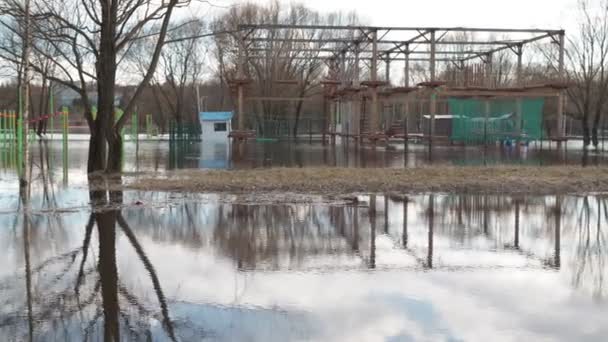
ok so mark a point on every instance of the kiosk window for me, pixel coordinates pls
(219, 127)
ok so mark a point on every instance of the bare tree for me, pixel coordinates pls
(179, 70)
(279, 63)
(90, 39)
(587, 56)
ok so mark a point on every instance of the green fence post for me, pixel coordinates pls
(19, 132)
(19, 145)
(3, 141)
(11, 137)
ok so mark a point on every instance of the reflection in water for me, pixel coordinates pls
(82, 265)
(69, 302)
(372, 222)
(116, 291)
(158, 156)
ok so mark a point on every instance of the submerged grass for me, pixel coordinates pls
(325, 180)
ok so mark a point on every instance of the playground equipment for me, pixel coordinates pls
(353, 107)
(12, 137)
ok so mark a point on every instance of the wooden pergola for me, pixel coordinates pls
(370, 45)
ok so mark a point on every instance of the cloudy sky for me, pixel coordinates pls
(547, 14)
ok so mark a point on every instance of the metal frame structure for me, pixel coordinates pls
(372, 44)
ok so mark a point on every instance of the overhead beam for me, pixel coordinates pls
(405, 43)
(380, 51)
(361, 58)
(508, 46)
(391, 28)
(380, 41)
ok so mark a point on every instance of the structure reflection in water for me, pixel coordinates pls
(115, 291)
(92, 265)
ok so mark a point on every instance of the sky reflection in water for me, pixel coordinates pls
(182, 267)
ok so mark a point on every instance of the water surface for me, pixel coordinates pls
(82, 265)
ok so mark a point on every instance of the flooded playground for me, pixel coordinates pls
(277, 171)
(161, 155)
(178, 266)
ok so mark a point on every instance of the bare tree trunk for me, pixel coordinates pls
(586, 130)
(42, 105)
(296, 123)
(106, 90)
(222, 80)
(24, 178)
(178, 112)
(33, 113)
(97, 148)
(594, 131)
(114, 163)
(161, 119)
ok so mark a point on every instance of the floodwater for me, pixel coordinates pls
(161, 156)
(86, 266)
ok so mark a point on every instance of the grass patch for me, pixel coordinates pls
(325, 180)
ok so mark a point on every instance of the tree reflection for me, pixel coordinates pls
(589, 261)
(87, 299)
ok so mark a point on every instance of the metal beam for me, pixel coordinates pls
(391, 28)
(508, 46)
(406, 70)
(240, 92)
(405, 43)
(380, 51)
(374, 90)
(387, 71)
(520, 54)
(433, 103)
(489, 71)
(561, 127)
(361, 58)
(392, 42)
(432, 58)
